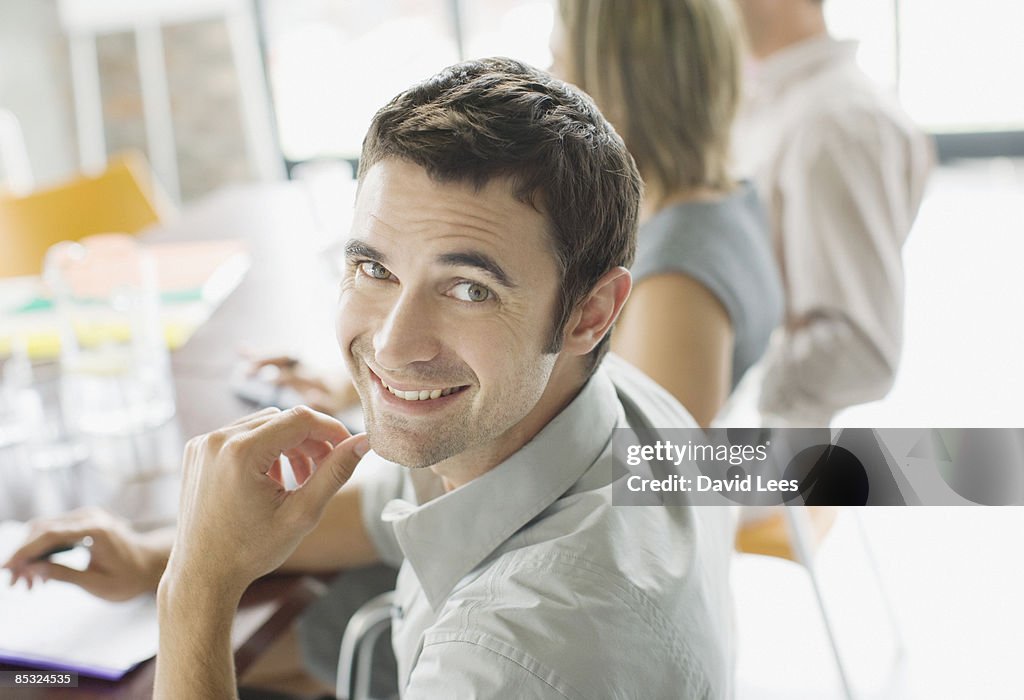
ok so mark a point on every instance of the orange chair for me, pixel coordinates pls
(771, 536)
(121, 199)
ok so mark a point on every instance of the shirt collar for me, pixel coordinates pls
(446, 538)
(793, 63)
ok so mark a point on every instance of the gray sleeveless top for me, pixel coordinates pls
(724, 245)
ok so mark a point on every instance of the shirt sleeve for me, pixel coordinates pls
(847, 193)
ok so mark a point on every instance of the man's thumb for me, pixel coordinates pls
(335, 469)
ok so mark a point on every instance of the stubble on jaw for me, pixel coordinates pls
(421, 442)
(391, 435)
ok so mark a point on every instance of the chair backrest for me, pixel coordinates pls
(15, 172)
(355, 658)
(121, 199)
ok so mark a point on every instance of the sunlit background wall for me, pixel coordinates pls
(331, 63)
(956, 66)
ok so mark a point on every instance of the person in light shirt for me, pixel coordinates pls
(842, 170)
(495, 222)
(706, 293)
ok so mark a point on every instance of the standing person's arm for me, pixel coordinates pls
(846, 195)
(678, 333)
(237, 522)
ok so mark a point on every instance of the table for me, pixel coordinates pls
(282, 304)
(266, 610)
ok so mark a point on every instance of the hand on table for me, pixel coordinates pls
(237, 521)
(316, 391)
(123, 563)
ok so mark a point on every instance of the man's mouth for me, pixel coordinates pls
(421, 394)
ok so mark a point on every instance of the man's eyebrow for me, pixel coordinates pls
(481, 261)
(356, 248)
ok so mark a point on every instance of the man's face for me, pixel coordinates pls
(445, 308)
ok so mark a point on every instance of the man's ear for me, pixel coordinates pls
(598, 311)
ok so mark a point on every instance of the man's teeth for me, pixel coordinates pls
(421, 395)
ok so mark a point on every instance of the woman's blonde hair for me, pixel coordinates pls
(666, 73)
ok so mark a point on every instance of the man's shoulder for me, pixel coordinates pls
(583, 623)
(842, 101)
(596, 593)
(644, 401)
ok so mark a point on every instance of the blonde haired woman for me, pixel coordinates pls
(706, 293)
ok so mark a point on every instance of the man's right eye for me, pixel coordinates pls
(374, 270)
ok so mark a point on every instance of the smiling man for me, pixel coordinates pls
(446, 318)
(495, 220)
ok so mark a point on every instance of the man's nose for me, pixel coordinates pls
(408, 333)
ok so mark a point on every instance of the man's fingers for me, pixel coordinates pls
(332, 473)
(275, 472)
(315, 450)
(303, 457)
(302, 466)
(289, 430)
(261, 415)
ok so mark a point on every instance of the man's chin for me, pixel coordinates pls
(407, 454)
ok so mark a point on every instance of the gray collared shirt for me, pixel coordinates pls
(528, 583)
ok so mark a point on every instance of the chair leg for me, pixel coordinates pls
(890, 611)
(802, 540)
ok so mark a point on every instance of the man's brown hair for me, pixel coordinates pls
(497, 117)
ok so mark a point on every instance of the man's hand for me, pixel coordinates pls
(122, 565)
(237, 521)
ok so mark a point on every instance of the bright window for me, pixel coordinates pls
(333, 63)
(960, 63)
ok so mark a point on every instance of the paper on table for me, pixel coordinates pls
(195, 277)
(60, 626)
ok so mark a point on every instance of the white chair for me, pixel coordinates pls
(802, 538)
(84, 20)
(17, 173)
(798, 541)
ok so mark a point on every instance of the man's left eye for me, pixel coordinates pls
(471, 291)
(375, 270)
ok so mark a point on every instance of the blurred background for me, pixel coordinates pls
(278, 89)
(331, 63)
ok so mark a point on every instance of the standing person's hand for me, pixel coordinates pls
(237, 521)
(123, 563)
